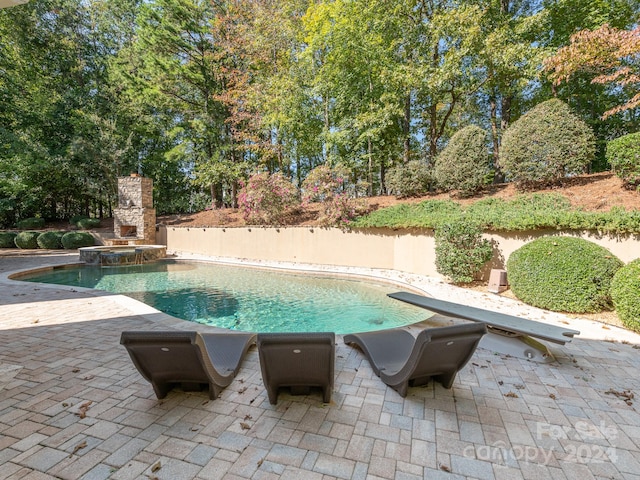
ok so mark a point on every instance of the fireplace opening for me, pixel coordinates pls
(127, 231)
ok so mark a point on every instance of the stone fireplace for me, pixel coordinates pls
(134, 221)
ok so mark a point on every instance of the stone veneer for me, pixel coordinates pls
(134, 221)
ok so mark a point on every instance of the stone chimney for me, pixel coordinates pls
(134, 221)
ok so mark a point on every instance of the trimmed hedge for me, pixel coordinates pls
(623, 153)
(464, 163)
(73, 240)
(547, 143)
(87, 223)
(460, 250)
(30, 223)
(410, 179)
(76, 218)
(7, 239)
(27, 240)
(563, 274)
(625, 291)
(50, 240)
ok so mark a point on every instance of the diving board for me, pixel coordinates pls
(501, 321)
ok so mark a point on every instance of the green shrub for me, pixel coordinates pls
(623, 154)
(27, 240)
(625, 292)
(563, 274)
(464, 163)
(30, 223)
(411, 179)
(50, 240)
(87, 223)
(7, 240)
(547, 143)
(73, 240)
(460, 250)
(76, 218)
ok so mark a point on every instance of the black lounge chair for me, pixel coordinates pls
(297, 360)
(190, 359)
(402, 360)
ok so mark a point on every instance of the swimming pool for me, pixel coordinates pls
(247, 299)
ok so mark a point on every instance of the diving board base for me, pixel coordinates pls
(517, 346)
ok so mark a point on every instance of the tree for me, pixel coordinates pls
(609, 55)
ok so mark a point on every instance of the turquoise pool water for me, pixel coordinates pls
(247, 299)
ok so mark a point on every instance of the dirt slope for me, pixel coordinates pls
(595, 192)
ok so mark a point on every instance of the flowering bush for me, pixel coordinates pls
(267, 199)
(326, 185)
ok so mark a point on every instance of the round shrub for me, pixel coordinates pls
(30, 223)
(625, 292)
(411, 179)
(460, 250)
(7, 240)
(464, 163)
(623, 154)
(76, 218)
(547, 143)
(50, 240)
(27, 240)
(87, 223)
(563, 274)
(73, 240)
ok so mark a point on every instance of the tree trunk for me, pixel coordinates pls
(406, 130)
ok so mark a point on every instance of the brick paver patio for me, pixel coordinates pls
(73, 406)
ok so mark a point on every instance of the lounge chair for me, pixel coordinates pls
(297, 360)
(402, 360)
(190, 359)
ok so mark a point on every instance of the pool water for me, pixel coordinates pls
(247, 299)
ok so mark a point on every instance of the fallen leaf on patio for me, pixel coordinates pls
(444, 468)
(552, 396)
(82, 410)
(88, 377)
(519, 387)
(242, 390)
(500, 382)
(604, 327)
(75, 370)
(80, 446)
(248, 417)
(511, 395)
(35, 321)
(245, 426)
(260, 462)
(626, 395)
(157, 466)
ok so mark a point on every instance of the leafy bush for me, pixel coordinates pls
(30, 223)
(267, 199)
(625, 292)
(410, 179)
(50, 240)
(73, 240)
(7, 240)
(623, 154)
(547, 143)
(27, 240)
(76, 218)
(563, 274)
(460, 250)
(326, 185)
(87, 223)
(464, 163)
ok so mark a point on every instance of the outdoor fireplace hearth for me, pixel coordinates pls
(134, 221)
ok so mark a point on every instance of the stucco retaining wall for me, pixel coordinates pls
(411, 251)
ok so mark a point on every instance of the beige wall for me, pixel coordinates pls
(409, 251)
